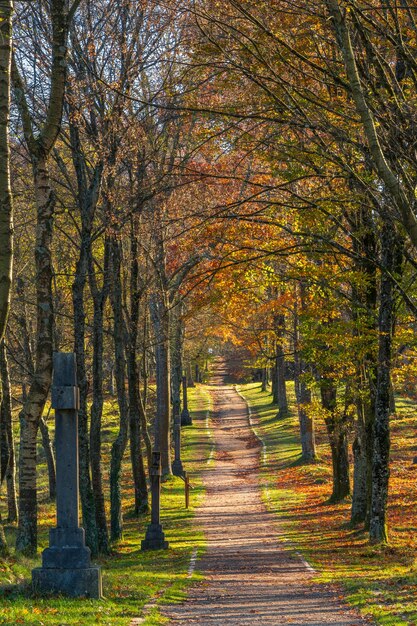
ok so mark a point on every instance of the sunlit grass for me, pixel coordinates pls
(131, 578)
(380, 581)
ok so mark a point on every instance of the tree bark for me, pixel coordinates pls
(302, 392)
(88, 194)
(7, 409)
(176, 359)
(50, 459)
(119, 445)
(364, 303)
(160, 318)
(137, 413)
(99, 301)
(6, 204)
(30, 416)
(337, 433)
(280, 395)
(378, 531)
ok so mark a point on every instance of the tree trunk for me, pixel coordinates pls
(7, 408)
(160, 319)
(6, 205)
(264, 379)
(280, 390)
(30, 416)
(87, 201)
(137, 413)
(303, 395)
(39, 147)
(99, 300)
(359, 497)
(176, 359)
(50, 459)
(336, 430)
(143, 393)
(364, 302)
(119, 445)
(190, 381)
(378, 532)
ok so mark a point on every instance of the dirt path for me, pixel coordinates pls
(249, 577)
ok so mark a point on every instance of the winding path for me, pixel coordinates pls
(250, 578)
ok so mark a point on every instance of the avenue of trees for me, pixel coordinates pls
(175, 176)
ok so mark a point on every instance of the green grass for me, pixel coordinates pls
(131, 579)
(381, 582)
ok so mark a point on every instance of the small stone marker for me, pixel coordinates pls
(155, 538)
(185, 413)
(66, 565)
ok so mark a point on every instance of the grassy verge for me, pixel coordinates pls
(131, 579)
(381, 582)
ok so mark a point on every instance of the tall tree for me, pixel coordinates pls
(39, 145)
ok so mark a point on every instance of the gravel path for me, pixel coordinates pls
(250, 578)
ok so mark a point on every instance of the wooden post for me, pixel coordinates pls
(155, 538)
(66, 567)
(185, 414)
(187, 490)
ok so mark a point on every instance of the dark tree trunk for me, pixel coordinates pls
(50, 459)
(5, 415)
(99, 301)
(359, 497)
(8, 422)
(87, 201)
(303, 394)
(176, 359)
(160, 318)
(264, 384)
(190, 381)
(119, 445)
(337, 433)
(143, 377)
(280, 389)
(391, 251)
(364, 302)
(136, 408)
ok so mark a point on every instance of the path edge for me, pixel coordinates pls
(264, 484)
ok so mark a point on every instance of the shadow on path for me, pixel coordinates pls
(250, 578)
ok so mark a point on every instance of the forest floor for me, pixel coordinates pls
(250, 576)
(380, 581)
(134, 582)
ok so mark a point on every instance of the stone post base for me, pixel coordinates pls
(186, 418)
(177, 468)
(154, 538)
(72, 582)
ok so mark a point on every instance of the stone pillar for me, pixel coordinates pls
(185, 414)
(155, 538)
(66, 565)
(177, 468)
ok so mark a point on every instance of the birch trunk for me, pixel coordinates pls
(30, 416)
(6, 207)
